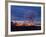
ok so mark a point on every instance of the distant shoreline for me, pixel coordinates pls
(25, 28)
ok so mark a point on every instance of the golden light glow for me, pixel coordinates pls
(20, 24)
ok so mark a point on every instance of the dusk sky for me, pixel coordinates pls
(22, 12)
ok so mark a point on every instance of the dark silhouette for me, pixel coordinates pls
(23, 28)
